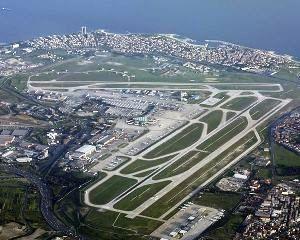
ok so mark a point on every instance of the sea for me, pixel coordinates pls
(265, 24)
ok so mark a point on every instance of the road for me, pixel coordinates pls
(46, 199)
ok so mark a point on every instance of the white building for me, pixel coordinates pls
(87, 150)
(83, 153)
(240, 176)
(24, 159)
(15, 46)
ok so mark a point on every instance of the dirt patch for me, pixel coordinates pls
(11, 230)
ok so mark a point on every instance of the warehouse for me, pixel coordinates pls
(83, 152)
(86, 150)
(5, 140)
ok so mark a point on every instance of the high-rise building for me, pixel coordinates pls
(83, 30)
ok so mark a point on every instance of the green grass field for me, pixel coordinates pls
(239, 103)
(46, 76)
(262, 108)
(103, 76)
(20, 81)
(95, 224)
(9, 97)
(141, 67)
(212, 199)
(145, 173)
(185, 138)
(289, 74)
(19, 202)
(181, 165)
(228, 230)
(110, 189)
(230, 115)
(140, 195)
(114, 225)
(284, 157)
(221, 95)
(191, 183)
(140, 165)
(212, 119)
(263, 173)
(243, 77)
(224, 135)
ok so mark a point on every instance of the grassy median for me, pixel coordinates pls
(213, 119)
(110, 189)
(140, 195)
(185, 138)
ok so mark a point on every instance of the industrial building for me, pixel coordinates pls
(5, 140)
(83, 152)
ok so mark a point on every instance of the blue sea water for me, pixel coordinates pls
(265, 24)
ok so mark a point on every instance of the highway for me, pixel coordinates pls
(46, 199)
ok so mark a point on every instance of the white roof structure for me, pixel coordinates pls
(240, 176)
(86, 149)
(24, 159)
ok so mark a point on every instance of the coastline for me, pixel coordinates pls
(178, 37)
(174, 36)
(181, 38)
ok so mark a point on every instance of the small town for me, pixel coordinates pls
(277, 216)
(211, 53)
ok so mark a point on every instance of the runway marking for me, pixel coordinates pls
(192, 130)
(209, 169)
(222, 135)
(138, 196)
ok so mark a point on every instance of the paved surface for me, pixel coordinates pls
(252, 124)
(203, 218)
(94, 85)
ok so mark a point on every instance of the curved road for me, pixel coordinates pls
(46, 199)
